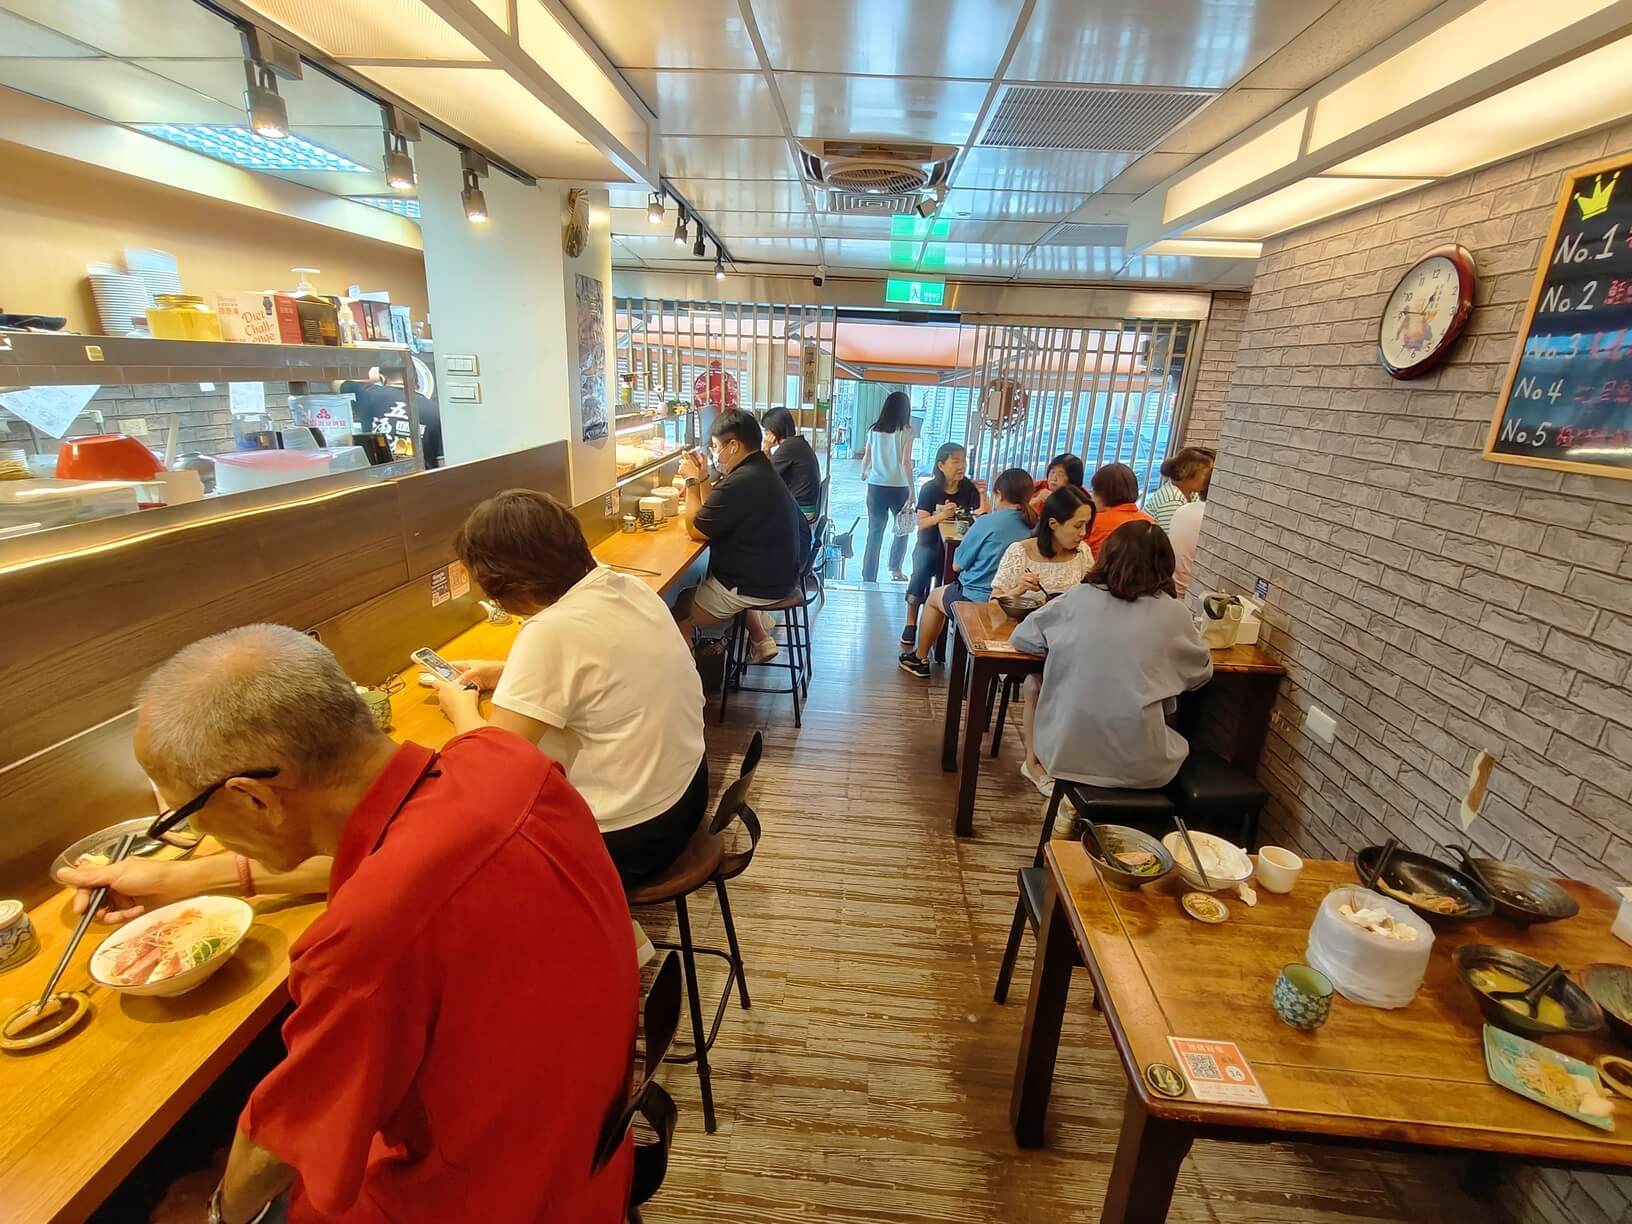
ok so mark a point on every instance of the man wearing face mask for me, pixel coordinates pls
(757, 538)
(411, 1092)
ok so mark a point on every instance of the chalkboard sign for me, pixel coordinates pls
(1567, 401)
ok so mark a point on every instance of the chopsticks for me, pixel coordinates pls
(1200, 870)
(98, 895)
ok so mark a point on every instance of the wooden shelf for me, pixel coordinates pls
(44, 359)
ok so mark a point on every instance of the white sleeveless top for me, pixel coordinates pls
(889, 458)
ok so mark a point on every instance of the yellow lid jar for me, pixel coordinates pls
(182, 316)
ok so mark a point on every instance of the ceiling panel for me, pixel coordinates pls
(1088, 235)
(314, 99)
(726, 157)
(847, 226)
(370, 29)
(1149, 170)
(622, 253)
(658, 246)
(999, 205)
(1348, 30)
(1069, 262)
(644, 34)
(628, 197)
(999, 232)
(918, 108)
(871, 253)
(729, 195)
(1039, 169)
(1106, 207)
(23, 38)
(976, 258)
(735, 225)
(494, 109)
(774, 250)
(1200, 44)
(114, 90)
(626, 220)
(932, 38)
(708, 103)
(1222, 118)
(133, 27)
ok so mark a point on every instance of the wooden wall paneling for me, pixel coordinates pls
(53, 798)
(374, 639)
(82, 631)
(433, 504)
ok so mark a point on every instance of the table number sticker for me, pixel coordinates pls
(440, 592)
(1217, 1071)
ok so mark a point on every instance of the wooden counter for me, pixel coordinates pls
(80, 1113)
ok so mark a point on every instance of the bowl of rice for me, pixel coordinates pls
(1226, 863)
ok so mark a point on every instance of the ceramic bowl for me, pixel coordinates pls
(1409, 872)
(1018, 607)
(236, 912)
(1581, 1014)
(1119, 839)
(1520, 895)
(176, 844)
(1181, 859)
(1302, 997)
(1611, 988)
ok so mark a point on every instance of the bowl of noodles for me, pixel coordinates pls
(172, 949)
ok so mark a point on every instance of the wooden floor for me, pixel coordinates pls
(870, 1080)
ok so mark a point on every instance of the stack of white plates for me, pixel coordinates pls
(122, 299)
(157, 269)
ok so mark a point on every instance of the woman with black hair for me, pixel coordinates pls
(794, 459)
(886, 466)
(941, 497)
(1063, 469)
(1120, 648)
(1184, 476)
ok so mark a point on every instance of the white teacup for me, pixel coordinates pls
(1278, 869)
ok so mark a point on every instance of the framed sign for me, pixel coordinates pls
(1567, 399)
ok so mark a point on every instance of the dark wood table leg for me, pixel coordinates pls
(956, 683)
(1045, 1013)
(1149, 1152)
(977, 701)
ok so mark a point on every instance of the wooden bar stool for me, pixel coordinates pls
(661, 1016)
(709, 858)
(1102, 805)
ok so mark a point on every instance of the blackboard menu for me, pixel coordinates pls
(1567, 401)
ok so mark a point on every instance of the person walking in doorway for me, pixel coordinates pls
(886, 466)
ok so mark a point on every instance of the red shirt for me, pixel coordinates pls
(1112, 517)
(465, 1009)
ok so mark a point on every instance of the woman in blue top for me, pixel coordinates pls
(976, 561)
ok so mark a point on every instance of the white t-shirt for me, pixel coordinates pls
(1185, 534)
(606, 665)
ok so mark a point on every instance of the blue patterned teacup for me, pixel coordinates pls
(1302, 997)
(17, 939)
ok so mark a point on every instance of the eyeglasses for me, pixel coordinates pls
(166, 821)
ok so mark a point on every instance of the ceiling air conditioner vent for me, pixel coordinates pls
(1118, 120)
(874, 176)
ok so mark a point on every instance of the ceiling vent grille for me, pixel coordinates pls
(868, 204)
(1119, 120)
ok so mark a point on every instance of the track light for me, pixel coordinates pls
(719, 264)
(697, 247)
(400, 128)
(680, 228)
(265, 60)
(472, 169)
(654, 209)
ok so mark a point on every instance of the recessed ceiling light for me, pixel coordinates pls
(403, 206)
(239, 146)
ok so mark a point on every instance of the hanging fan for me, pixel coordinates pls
(1003, 404)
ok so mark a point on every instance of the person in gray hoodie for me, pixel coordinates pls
(1120, 648)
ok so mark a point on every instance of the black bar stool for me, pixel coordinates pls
(661, 1016)
(1210, 792)
(795, 640)
(1148, 809)
(707, 859)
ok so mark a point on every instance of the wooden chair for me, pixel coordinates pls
(709, 859)
(649, 1100)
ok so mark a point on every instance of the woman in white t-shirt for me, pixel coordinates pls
(1051, 562)
(599, 678)
(886, 466)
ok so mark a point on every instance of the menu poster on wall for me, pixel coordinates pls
(591, 358)
(1567, 401)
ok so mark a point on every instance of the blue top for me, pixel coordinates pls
(982, 550)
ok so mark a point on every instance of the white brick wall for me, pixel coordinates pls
(1224, 323)
(1433, 602)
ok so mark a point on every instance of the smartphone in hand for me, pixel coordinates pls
(436, 664)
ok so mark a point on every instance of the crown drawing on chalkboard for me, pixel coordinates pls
(1598, 201)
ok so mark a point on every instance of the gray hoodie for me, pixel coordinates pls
(1114, 668)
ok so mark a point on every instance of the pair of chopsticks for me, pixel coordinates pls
(98, 895)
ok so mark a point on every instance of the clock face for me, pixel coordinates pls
(1425, 314)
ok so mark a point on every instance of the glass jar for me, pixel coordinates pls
(182, 316)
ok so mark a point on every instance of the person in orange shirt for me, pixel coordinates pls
(1063, 470)
(1116, 494)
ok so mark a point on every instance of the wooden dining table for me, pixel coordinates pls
(1229, 715)
(80, 1113)
(1410, 1077)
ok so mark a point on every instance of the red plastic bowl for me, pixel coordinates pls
(106, 457)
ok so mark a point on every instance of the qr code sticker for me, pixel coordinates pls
(1203, 1067)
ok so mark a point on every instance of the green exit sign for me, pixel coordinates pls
(912, 291)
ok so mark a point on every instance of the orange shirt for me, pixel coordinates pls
(1112, 517)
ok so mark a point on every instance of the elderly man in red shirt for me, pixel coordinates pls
(465, 1010)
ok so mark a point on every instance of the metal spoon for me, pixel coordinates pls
(1194, 857)
(98, 895)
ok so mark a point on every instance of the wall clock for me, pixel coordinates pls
(1426, 312)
